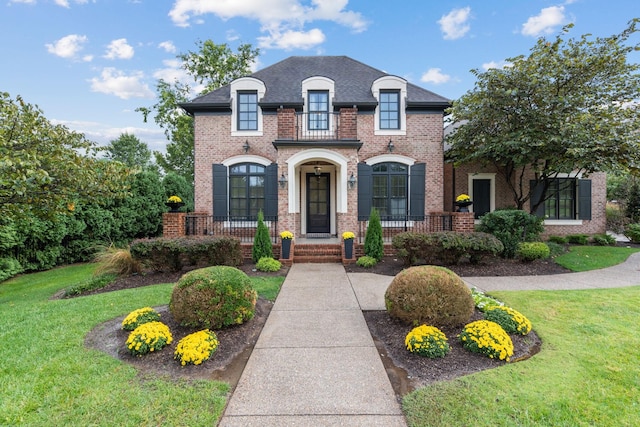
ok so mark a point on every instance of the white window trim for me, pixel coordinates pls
(241, 85)
(317, 83)
(390, 83)
(492, 197)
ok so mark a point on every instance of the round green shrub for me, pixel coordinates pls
(429, 294)
(213, 298)
(604, 240)
(632, 232)
(268, 264)
(530, 251)
(366, 261)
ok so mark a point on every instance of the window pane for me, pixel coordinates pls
(246, 190)
(389, 110)
(247, 111)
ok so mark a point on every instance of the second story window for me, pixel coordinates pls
(389, 109)
(318, 110)
(247, 111)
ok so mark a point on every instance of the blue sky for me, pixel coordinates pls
(88, 64)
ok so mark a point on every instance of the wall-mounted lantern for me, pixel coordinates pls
(282, 181)
(352, 181)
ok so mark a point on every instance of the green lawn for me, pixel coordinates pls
(585, 258)
(587, 373)
(48, 377)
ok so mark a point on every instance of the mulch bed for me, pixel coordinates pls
(406, 371)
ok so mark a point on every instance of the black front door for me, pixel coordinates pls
(481, 197)
(318, 218)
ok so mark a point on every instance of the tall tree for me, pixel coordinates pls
(570, 106)
(128, 149)
(211, 67)
(46, 168)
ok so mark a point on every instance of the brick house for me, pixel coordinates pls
(316, 142)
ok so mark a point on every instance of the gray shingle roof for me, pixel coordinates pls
(283, 81)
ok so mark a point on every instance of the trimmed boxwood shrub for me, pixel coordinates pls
(429, 294)
(578, 239)
(213, 298)
(165, 254)
(511, 227)
(531, 251)
(366, 261)
(446, 247)
(604, 240)
(268, 264)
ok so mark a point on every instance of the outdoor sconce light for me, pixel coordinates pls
(246, 146)
(318, 170)
(282, 181)
(390, 146)
(352, 181)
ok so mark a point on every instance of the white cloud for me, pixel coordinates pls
(493, 64)
(435, 76)
(115, 82)
(282, 20)
(454, 24)
(168, 46)
(119, 49)
(103, 133)
(544, 23)
(68, 46)
(289, 39)
(172, 71)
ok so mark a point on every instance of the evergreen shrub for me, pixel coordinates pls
(429, 294)
(213, 298)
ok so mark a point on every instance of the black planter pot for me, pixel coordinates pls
(286, 248)
(348, 248)
(463, 206)
(174, 206)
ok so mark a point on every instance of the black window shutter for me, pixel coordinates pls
(271, 192)
(584, 199)
(365, 189)
(416, 196)
(537, 193)
(220, 199)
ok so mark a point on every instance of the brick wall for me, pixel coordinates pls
(173, 224)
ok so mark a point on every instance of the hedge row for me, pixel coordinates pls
(163, 254)
(446, 247)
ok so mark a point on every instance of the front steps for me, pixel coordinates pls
(317, 253)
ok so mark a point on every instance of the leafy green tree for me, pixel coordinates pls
(211, 66)
(373, 241)
(46, 168)
(128, 149)
(571, 105)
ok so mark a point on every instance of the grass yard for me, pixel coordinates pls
(585, 258)
(587, 373)
(48, 377)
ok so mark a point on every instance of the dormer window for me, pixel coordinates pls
(246, 93)
(391, 94)
(389, 109)
(247, 110)
(318, 110)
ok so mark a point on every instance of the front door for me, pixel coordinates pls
(318, 218)
(481, 197)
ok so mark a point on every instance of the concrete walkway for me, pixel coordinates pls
(315, 362)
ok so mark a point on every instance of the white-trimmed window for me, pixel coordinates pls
(246, 93)
(390, 115)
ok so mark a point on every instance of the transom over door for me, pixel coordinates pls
(318, 205)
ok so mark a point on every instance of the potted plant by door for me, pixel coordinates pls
(286, 237)
(463, 201)
(348, 238)
(174, 203)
